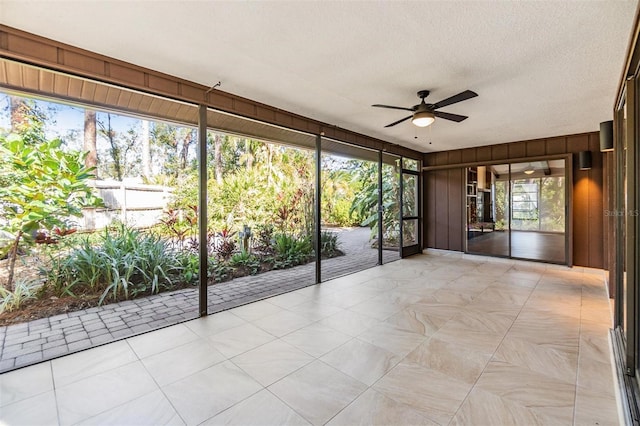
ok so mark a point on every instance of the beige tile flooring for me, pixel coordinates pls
(434, 339)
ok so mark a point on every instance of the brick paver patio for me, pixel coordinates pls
(34, 341)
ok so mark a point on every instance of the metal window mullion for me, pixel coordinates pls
(202, 210)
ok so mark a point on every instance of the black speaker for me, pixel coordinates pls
(584, 160)
(606, 136)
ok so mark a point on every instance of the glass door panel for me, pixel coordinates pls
(538, 210)
(390, 208)
(488, 210)
(349, 209)
(518, 210)
(410, 200)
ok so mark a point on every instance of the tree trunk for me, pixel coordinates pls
(18, 109)
(115, 149)
(218, 158)
(89, 145)
(184, 154)
(146, 151)
(12, 261)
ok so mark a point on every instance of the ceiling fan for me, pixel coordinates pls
(424, 114)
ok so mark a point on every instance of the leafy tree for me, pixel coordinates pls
(44, 186)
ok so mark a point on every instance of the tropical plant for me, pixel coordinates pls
(245, 260)
(125, 263)
(365, 203)
(24, 290)
(44, 186)
(329, 244)
(226, 245)
(291, 251)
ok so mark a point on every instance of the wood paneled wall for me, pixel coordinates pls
(444, 192)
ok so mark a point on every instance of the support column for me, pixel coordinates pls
(318, 207)
(202, 210)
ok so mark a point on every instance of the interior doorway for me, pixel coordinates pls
(518, 210)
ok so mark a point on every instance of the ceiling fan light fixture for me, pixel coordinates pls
(529, 171)
(423, 118)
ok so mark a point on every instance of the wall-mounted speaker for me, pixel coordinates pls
(606, 136)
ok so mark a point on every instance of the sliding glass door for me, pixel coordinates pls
(518, 210)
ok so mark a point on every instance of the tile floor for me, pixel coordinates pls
(431, 340)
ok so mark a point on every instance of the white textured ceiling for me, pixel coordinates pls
(540, 68)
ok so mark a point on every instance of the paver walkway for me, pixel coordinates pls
(46, 338)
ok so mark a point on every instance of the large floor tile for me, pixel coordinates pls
(316, 339)
(69, 369)
(594, 407)
(91, 396)
(435, 395)
(289, 300)
(376, 309)
(214, 324)
(373, 408)
(316, 311)
(272, 361)
(255, 311)
(262, 409)
(349, 322)
(393, 339)
(451, 359)
(283, 323)
(208, 392)
(25, 383)
(237, 340)
(484, 408)
(148, 410)
(161, 340)
(318, 392)
(417, 320)
(178, 363)
(35, 411)
(457, 332)
(545, 395)
(362, 360)
(557, 362)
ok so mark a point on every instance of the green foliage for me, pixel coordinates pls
(329, 244)
(124, 264)
(218, 270)
(365, 203)
(226, 245)
(189, 264)
(245, 260)
(340, 184)
(24, 290)
(291, 251)
(44, 185)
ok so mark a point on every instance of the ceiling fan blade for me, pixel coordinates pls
(392, 107)
(399, 121)
(463, 96)
(448, 116)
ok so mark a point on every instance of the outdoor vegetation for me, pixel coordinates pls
(260, 206)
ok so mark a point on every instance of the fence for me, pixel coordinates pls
(137, 205)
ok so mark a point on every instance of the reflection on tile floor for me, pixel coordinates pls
(434, 339)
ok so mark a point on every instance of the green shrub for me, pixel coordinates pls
(291, 251)
(189, 266)
(329, 244)
(23, 290)
(245, 260)
(218, 270)
(124, 264)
